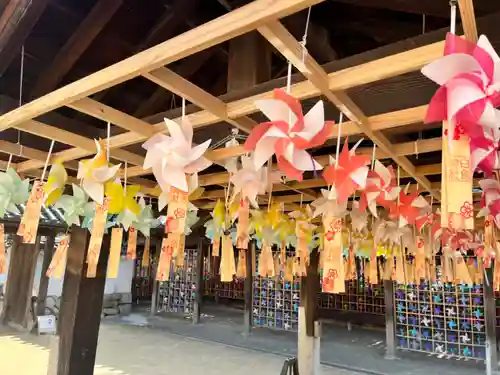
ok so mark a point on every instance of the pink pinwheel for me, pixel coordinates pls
(469, 76)
(380, 188)
(431, 220)
(288, 134)
(348, 174)
(490, 201)
(485, 147)
(172, 157)
(456, 239)
(408, 207)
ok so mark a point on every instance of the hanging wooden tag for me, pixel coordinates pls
(400, 275)
(95, 243)
(462, 274)
(388, 268)
(265, 259)
(420, 272)
(457, 211)
(283, 254)
(242, 236)
(176, 211)
(132, 244)
(146, 253)
(58, 262)
(289, 270)
(333, 271)
(227, 264)
(3, 254)
(241, 269)
(253, 254)
(28, 227)
(372, 268)
(447, 265)
(115, 250)
(167, 251)
(350, 264)
(180, 255)
(216, 247)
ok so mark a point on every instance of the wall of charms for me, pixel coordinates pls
(177, 294)
(214, 288)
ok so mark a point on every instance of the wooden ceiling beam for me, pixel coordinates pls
(76, 45)
(468, 19)
(16, 23)
(283, 41)
(209, 34)
(182, 87)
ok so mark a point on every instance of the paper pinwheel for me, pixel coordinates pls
(329, 205)
(194, 192)
(54, 186)
(380, 188)
(490, 201)
(13, 191)
(95, 172)
(349, 174)
(288, 134)
(145, 221)
(431, 220)
(74, 206)
(249, 181)
(191, 219)
(173, 156)
(123, 204)
(215, 227)
(469, 77)
(359, 218)
(88, 220)
(408, 207)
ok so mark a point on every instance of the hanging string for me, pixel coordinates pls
(339, 132)
(125, 179)
(47, 161)
(453, 16)
(304, 37)
(108, 141)
(21, 81)
(8, 163)
(373, 156)
(183, 108)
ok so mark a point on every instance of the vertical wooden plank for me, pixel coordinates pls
(43, 287)
(248, 288)
(156, 284)
(390, 323)
(490, 323)
(309, 326)
(199, 282)
(81, 306)
(19, 292)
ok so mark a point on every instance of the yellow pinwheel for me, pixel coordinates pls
(123, 203)
(55, 183)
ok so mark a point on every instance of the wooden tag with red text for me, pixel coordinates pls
(58, 262)
(95, 243)
(227, 263)
(241, 269)
(132, 244)
(145, 254)
(115, 250)
(31, 217)
(216, 247)
(176, 211)
(242, 236)
(3, 256)
(167, 252)
(333, 268)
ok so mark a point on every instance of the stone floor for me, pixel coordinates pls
(131, 350)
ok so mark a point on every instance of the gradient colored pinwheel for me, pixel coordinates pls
(408, 207)
(123, 203)
(288, 134)
(380, 188)
(54, 186)
(95, 172)
(490, 200)
(173, 156)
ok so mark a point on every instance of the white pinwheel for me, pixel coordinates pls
(173, 156)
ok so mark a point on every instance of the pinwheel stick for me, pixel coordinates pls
(47, 160)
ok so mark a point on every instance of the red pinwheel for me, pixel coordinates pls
(408, 208)
(380, 188)
(469, 79)
(431, 220)
(456, 239)
(348, 174)
(485, 147)
(288, 134)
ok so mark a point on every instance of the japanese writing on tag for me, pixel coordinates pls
(114, 252)
(31, 217)
(176, 212)
(95, 243)
(168, 247)
(56, 267)
(132, 243)
(3, 257)
(242, 236)
(145, 254)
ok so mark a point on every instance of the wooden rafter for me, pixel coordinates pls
(468, 19)
(76, 45)
(282, 40)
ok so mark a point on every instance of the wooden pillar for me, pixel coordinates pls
(156, 284)
(19, 291)
(248, 317)
(490, 324)
(81, 306)
(249, 61)
(43, 288)
(309, 325)
(199, 282)
(390, 323)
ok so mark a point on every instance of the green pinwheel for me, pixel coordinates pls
(74, 206)
(13, 191)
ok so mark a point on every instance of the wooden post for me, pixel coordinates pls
(19, 292)
(248, 317)
(309, 325)
(81, 306)
(44, 280)
(490, 323)
(390, 323)
(199, 283)
(156, 284)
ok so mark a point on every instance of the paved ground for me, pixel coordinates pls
(129, 350)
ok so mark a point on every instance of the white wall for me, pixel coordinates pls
(122, 284)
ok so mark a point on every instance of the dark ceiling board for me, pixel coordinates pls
(439, 8)
(17, 28)
(86, 32)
